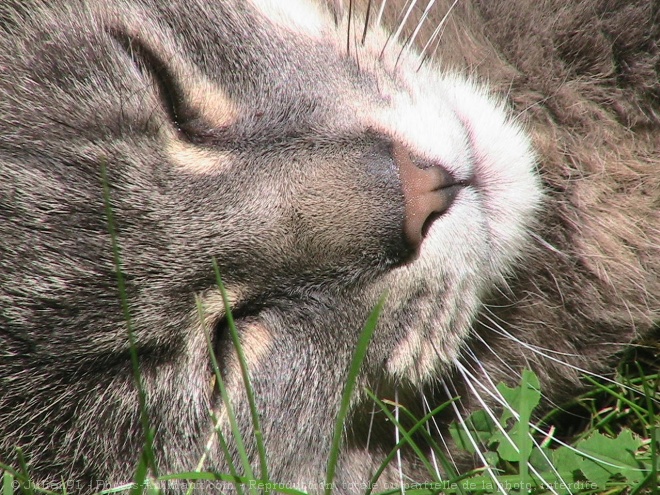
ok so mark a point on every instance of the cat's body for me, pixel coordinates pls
(250, 132)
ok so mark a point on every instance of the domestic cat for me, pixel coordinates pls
(489, 168)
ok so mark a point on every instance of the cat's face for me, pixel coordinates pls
(320, 170)
(315, 170)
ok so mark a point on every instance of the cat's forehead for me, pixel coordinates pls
(277, 68)
(292, 64)
(263, 51)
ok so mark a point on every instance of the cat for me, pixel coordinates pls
(487, 169)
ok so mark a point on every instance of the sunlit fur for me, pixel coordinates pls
(261, 133)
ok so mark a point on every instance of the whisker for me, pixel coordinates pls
(397, 439)
(483, 370)
(548, 355)
(373, 414)
(425, 14)
(380, 13)
(460, 419)
(402, 24)
(538, 429)
(437, 45)
(366, 22)
(427, 409)
(511, 370)
(528, 345)
(545, 243)
(348, 31)
(441, 436)
(494, 352)
(434, 35)
(469, 379)
(392, 34)
(356, 45)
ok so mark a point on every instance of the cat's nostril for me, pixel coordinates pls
(428, 192)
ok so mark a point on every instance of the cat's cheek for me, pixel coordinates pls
(432, 301)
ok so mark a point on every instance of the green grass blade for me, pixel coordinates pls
(141, 475)
(7, 483)
(142, 399)
(354, 370)
(525, 408)
(25, 484)
(21, 482)
(450, 472)
(217, 431)
(258, 435)
(225, 451)
(639, 411)
(652, 479)
(406, 434)
(238, 437)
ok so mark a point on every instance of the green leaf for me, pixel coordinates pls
(618, 452)
(481, 429)
(541, 459)
(600, 458)
(523, 399)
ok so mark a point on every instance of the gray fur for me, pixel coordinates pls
(305, 222)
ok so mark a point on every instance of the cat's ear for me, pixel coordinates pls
(189, 98)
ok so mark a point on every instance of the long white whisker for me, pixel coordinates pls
(512, 371)
(401, 21)
(501, 331)
(427, 409)
(537, 351)
(534, 347)
(441, 436)
(487, 375)
(379, 18)
(469, 378)
(515, 414)
(397, 439)
(435, 33)
(373, 414)
(483, 370)
(541, 240)
(404, 20)
(425, 14)
(459, 416)
(496, 354)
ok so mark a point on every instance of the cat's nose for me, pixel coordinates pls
(429, 190)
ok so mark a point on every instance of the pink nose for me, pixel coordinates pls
(428, 190)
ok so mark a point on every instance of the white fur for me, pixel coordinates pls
(297, 16)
